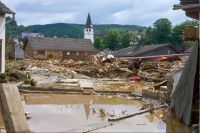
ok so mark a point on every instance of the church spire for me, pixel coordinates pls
(88, 31)
(89, 22)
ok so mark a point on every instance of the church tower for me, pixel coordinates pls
(88, 31)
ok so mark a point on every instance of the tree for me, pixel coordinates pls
(178, 30)
(112, 40)
(147, 38)
(162, 30)
(98, 43)
(127, 38)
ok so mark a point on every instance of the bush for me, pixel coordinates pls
(30, 82)
(3, 78)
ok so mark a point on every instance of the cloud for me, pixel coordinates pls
(134, 12)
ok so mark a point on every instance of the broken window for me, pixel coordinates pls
(77, 53)
(41, 52)
(68, 53)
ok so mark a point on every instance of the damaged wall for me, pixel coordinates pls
(182, 97)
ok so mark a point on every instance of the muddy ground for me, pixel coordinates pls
(95, 91)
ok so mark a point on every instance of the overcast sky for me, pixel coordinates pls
(133, 12)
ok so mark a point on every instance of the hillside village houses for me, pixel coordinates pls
(3, 11)
(40, 47)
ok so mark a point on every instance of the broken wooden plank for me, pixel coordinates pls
(136, 113)
(12, 109)
(191, 33)
(85, 84)
(155, 94)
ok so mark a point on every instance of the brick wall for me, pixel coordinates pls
(44, 54)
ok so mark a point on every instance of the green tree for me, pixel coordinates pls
(162, 30)
(127, 38)
(147, 38)
(98, 43)
(112, 40)
(178, 30)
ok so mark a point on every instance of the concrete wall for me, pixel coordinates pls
(2, 36)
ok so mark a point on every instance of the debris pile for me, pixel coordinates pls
(102, 67)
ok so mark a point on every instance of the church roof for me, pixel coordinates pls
(89, 22)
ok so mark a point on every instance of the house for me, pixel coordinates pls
(58, 48)
(17, 51)
(146, 50)
(3, 11)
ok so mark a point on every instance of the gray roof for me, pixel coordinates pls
(63, 44)
(5, 9)
(139, 49)
(26, 34)
(189, 1)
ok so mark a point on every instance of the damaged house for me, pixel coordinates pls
(58, 48)
(146, 50)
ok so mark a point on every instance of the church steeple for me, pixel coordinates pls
(88, 31)
(89, 22)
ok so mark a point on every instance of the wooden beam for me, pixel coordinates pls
(12, 109)
(191, 33)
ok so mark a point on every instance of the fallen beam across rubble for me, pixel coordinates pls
(136, 113)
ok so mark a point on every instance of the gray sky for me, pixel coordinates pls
(133, 12)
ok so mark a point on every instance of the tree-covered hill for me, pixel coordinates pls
(66, 30)
(76, 30)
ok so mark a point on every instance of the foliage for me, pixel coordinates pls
(65, 30)
(163, 32)
(12, 30)
(127, 39)
(112, 40)
(98, 43)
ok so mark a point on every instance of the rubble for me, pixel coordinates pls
(98, 67)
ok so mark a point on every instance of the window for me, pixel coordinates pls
(168, 51)
(77, 53)
(41, 52)
(86, 53)
(68, 53)
(89, 30)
